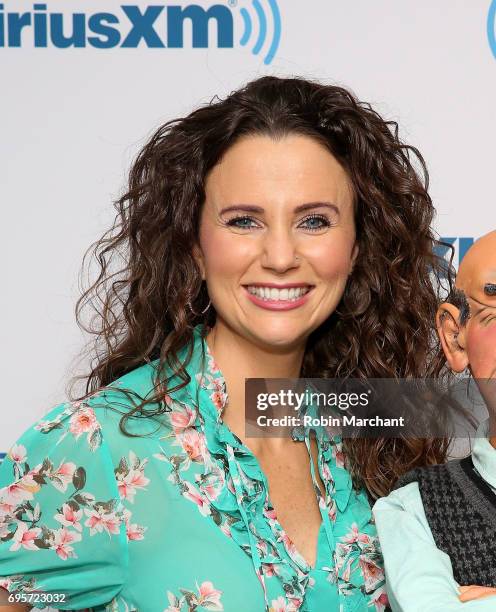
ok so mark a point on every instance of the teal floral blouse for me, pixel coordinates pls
(178, 519)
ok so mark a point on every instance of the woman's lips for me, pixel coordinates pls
(278, 304)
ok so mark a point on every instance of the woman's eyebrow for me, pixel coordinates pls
(301, 208)
(310, 205)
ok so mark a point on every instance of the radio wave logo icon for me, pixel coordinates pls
(491, 25)
(262, 18)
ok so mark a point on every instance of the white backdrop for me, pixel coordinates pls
(72, 119)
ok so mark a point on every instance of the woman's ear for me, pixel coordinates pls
(198, 256)
(452, 336)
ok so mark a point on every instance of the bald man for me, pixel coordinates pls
(437, 530)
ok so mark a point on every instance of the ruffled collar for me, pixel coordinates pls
(207, 392)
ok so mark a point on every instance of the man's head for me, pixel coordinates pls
(466, 322)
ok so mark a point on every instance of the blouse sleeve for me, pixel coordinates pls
(63, 539)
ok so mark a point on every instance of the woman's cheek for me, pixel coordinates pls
(332, 261)
(226, 254)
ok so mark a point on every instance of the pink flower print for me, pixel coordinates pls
(131, 482)
(195, 496)
(226, 529)
(70, 517)
(346, 573)
(175, 604)
(269, 570)
(62, 476)
(6, 509)
(18, 453)
(4, 529)
(326, 472)
(218, 398)
(25, 537)
(294, 604)
(230, 484)
(19, 491)
(338, 455)
(94, 521)
(212, 365)
(373, 574)
(98, 520)
(111, 523)
(380, 599)
(42, 425)
(279, 605)
(133, 530)
(213, 483)
(209, 597)
(5, 583)
(219, 395)
(270, 514)
(83, 421)
(193, 443)
(288, 543)
(263, 548)
(181, 417)
(355, 536)
(62, 543)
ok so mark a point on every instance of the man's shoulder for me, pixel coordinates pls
(428, 473)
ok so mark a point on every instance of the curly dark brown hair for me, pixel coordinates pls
(384, 325)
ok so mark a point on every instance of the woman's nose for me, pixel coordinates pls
(279, 251)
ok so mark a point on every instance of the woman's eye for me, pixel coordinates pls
(242, 222)
(315, 222)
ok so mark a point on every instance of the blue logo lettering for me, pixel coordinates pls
(154, 26)
(262, 31)
(199, 18)
(142, 26)
(491, 23)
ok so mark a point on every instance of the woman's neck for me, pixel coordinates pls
(238, 358)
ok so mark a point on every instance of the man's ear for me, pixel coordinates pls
(452, 336)
(198, 256)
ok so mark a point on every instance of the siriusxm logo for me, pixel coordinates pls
(491, 27)
(155, 26)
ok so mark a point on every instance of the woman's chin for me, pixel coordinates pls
(280, 338)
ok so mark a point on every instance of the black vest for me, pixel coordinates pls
(461, 510)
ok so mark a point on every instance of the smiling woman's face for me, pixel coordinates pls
(277, 238)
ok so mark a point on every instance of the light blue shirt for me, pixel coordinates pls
(419, 576)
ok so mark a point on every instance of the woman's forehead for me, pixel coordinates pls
(261, 168)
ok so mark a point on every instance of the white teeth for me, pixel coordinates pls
(271, 293)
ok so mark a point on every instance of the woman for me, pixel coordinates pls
(284, 232)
